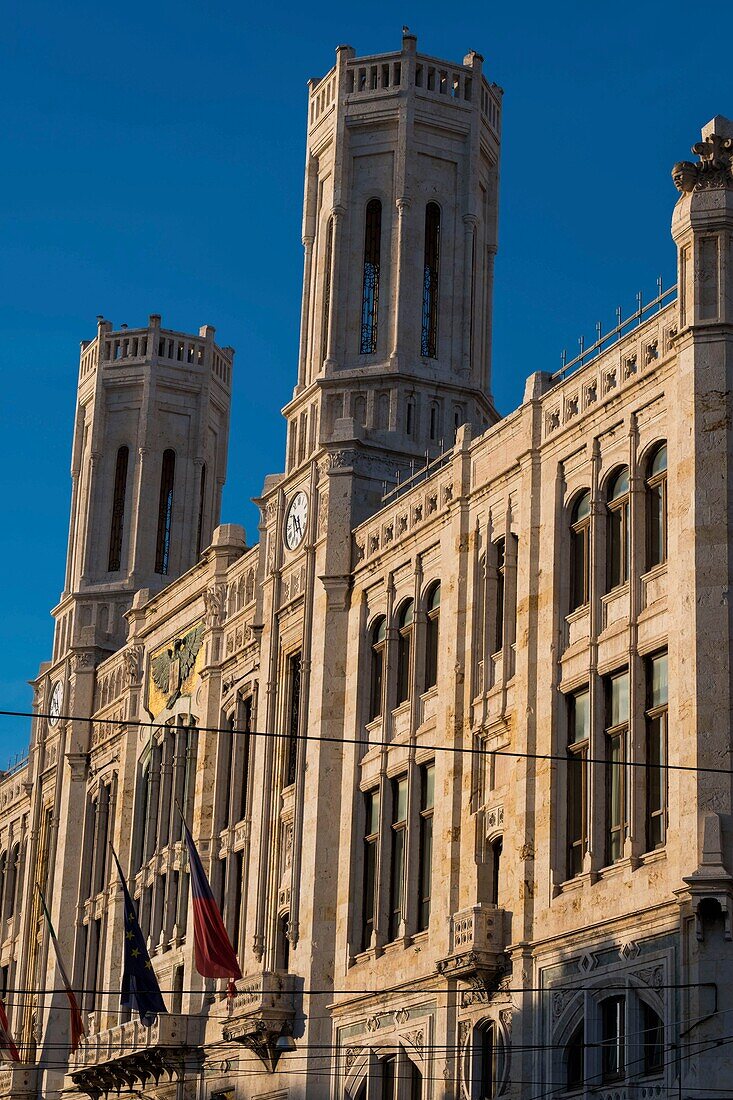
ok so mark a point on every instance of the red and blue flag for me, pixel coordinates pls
(213, 952)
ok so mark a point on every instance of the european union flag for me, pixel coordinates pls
(140, 989)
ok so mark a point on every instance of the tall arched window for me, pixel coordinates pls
(118, 510)
(618, 528)
(404, 650)
(202, 501)
(432, 632)
(429, 340)
(165, 513)
(370, 288)
(497, 847)
(11, 884)
(500, 551)
(377, 639)
(575, 1059)
(580, 551)
(326, 289)
(652, 1039)
(613, 1038)
(656, 507)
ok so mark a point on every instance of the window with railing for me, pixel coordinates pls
(431, 274)
(370, 282)
(118, 510)
(165, 513)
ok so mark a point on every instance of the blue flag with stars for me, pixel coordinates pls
(140, 989)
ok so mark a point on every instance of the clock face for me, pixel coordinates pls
(296, 520)
(54, 704)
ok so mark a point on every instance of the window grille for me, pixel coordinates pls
(165, 513)
(429, 340)
(370, 288)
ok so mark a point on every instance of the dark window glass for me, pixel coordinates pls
(497, 848)
(427, 801)
(371, 846)
(429, 340)
(578, 736)
(404, 650)
(370, 290)
(165, 513)
(499, 610)
(487, 1068)
(617, 725)
(580, 552)
(652, 1039)
(294, 664)
(389, 1078)
(618, 529)
(327, 289)
(656, 511)
(431, 637)
(613, 1038)
(575, 1059)
(656, 751)
(118, 510)
(415, 1081)
(378, 635)
(399, 838)
(202, 502)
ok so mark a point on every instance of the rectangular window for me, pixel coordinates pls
(499, 613)
(578, 737)
(656, 751)
(399, 845)
(371, 847)
(617, 731)
(427, 802)
(613, 1038)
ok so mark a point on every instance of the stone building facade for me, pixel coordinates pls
(456, 764)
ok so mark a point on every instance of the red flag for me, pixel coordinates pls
(6, 1039)
(77, 1024)
(213, 952)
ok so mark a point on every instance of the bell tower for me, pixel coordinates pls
(148, 465)
(399, 233)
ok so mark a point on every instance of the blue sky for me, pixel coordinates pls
(153, 162)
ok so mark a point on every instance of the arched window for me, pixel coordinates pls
(11, 883)
(497, 847)
(377, 640)
(652, 1039)
(500, 552)
(432, 631)
(580, 551)
(165, 513)
(370, 288)
(118, 510)
(656, 507)
(618, 528)
(202, 502)
(429, 339)
(575, 1059)
(326, 289)
(404, 650)
(3, 876)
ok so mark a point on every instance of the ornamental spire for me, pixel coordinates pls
(715, 167)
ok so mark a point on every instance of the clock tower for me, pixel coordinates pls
(399, 236)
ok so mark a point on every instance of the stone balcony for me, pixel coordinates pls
(261, 1013)
(129, 1056)
(19, 1082)
(477, 943)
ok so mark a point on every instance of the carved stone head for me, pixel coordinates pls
(684, 175)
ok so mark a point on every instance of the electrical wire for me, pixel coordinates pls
(460, 749)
